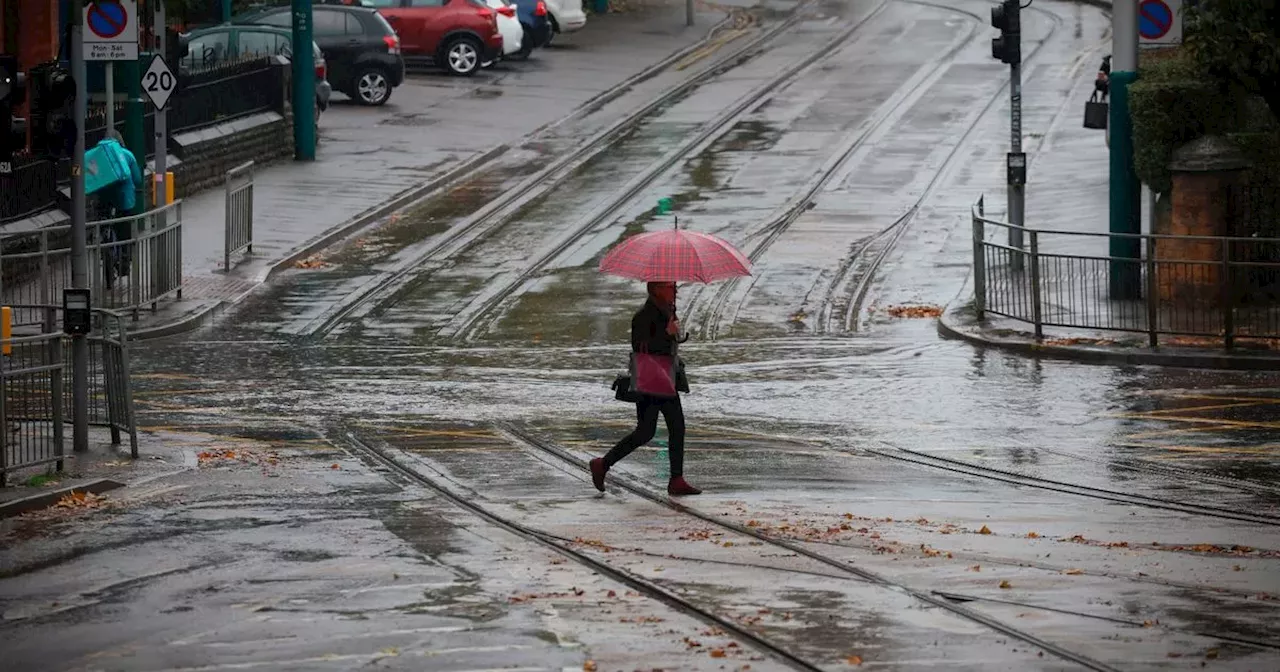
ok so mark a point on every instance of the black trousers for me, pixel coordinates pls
(647, 411)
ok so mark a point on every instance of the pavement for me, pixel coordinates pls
(364, 169)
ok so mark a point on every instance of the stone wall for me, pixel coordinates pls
(201, 158)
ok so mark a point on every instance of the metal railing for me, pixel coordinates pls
(239, 212)
(27, 187)
(35, 403)
(1202, 289)
(133, 261)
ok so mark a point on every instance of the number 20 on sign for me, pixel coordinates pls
(159, 82)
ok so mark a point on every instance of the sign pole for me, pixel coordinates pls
(79, 252)
(162, 119)
(1125, 202)
(109, 71)
(1017, 190)
(304, 83)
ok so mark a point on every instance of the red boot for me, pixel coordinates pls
(598, 470)
(679, 487)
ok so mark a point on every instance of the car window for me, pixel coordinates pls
(426, 3)
(207, 50)
(253, 43)
(382, 4)
(329, 23)
(354, 27)
(283, 19)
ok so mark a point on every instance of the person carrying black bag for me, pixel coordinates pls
(655, 338)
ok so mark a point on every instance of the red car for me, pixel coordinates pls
(458, 35)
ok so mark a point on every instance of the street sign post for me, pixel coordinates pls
(159, 82)
(1160, 22)
(111, 30)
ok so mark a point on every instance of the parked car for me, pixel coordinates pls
(457, 35)
(508, 25)
(536, 22)
(566, 15)
(362, 49)
(207, 47)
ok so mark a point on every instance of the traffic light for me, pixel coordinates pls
(1008, 47)
(53, 93)
(12, 91)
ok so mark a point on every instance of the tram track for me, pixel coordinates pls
(505, 207)
(923, 459)
(853, 277)
(565, 547)
(475, 318)
(803, 200)
(524, 438)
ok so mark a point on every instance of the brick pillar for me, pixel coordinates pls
(1208, 194)
(37, 40)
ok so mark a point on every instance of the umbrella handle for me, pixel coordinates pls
(677, 222)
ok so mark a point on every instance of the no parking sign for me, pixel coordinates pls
(1160, 22)
(111, 30)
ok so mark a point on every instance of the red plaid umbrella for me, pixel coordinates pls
(674, 255)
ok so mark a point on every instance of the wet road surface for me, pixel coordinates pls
(408, 423)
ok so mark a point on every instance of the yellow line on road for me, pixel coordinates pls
(1254, 450)
(1192, 409)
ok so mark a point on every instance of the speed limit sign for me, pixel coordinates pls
(159, 82)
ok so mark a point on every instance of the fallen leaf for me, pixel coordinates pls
(854, 660)
(1073, 572)
(1005, 585)
(717, 653)
(1211, 654)
(976, 568)
(1033, 535)
(589, 666)
(334, 466)
(613, 593)
(914, 311)
(984, 530)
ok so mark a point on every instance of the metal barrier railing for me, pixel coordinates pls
(35, 403)
(239, 226)
(1201, 287)
(133, 261)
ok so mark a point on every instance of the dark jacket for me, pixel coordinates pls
(649, 331)
(649, 334)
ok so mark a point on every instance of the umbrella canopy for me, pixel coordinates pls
(674, 255)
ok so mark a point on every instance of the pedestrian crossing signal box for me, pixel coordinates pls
(76, 317)
(1017, 167)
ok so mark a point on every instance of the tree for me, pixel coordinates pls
(1238, 43)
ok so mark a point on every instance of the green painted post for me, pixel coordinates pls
(135, 132)
(1126, 203)
(304, 84)
(226, 11)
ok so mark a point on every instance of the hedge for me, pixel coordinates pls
(1174, 102)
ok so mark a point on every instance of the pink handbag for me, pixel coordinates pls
(654, 375)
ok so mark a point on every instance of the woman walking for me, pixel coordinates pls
(655, 330)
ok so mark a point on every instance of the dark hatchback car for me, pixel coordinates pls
(361, 48)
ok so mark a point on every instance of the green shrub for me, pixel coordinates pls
(1172, 103)
(1176, 101)
(1263, 149)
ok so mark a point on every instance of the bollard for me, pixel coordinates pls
(6, 330)
(168, 189)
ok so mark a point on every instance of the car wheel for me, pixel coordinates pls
(462, 56)
(371, 87)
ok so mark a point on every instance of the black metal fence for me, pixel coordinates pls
(36, 395)
(206, 97)
(1202, 288)
(29, 187)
